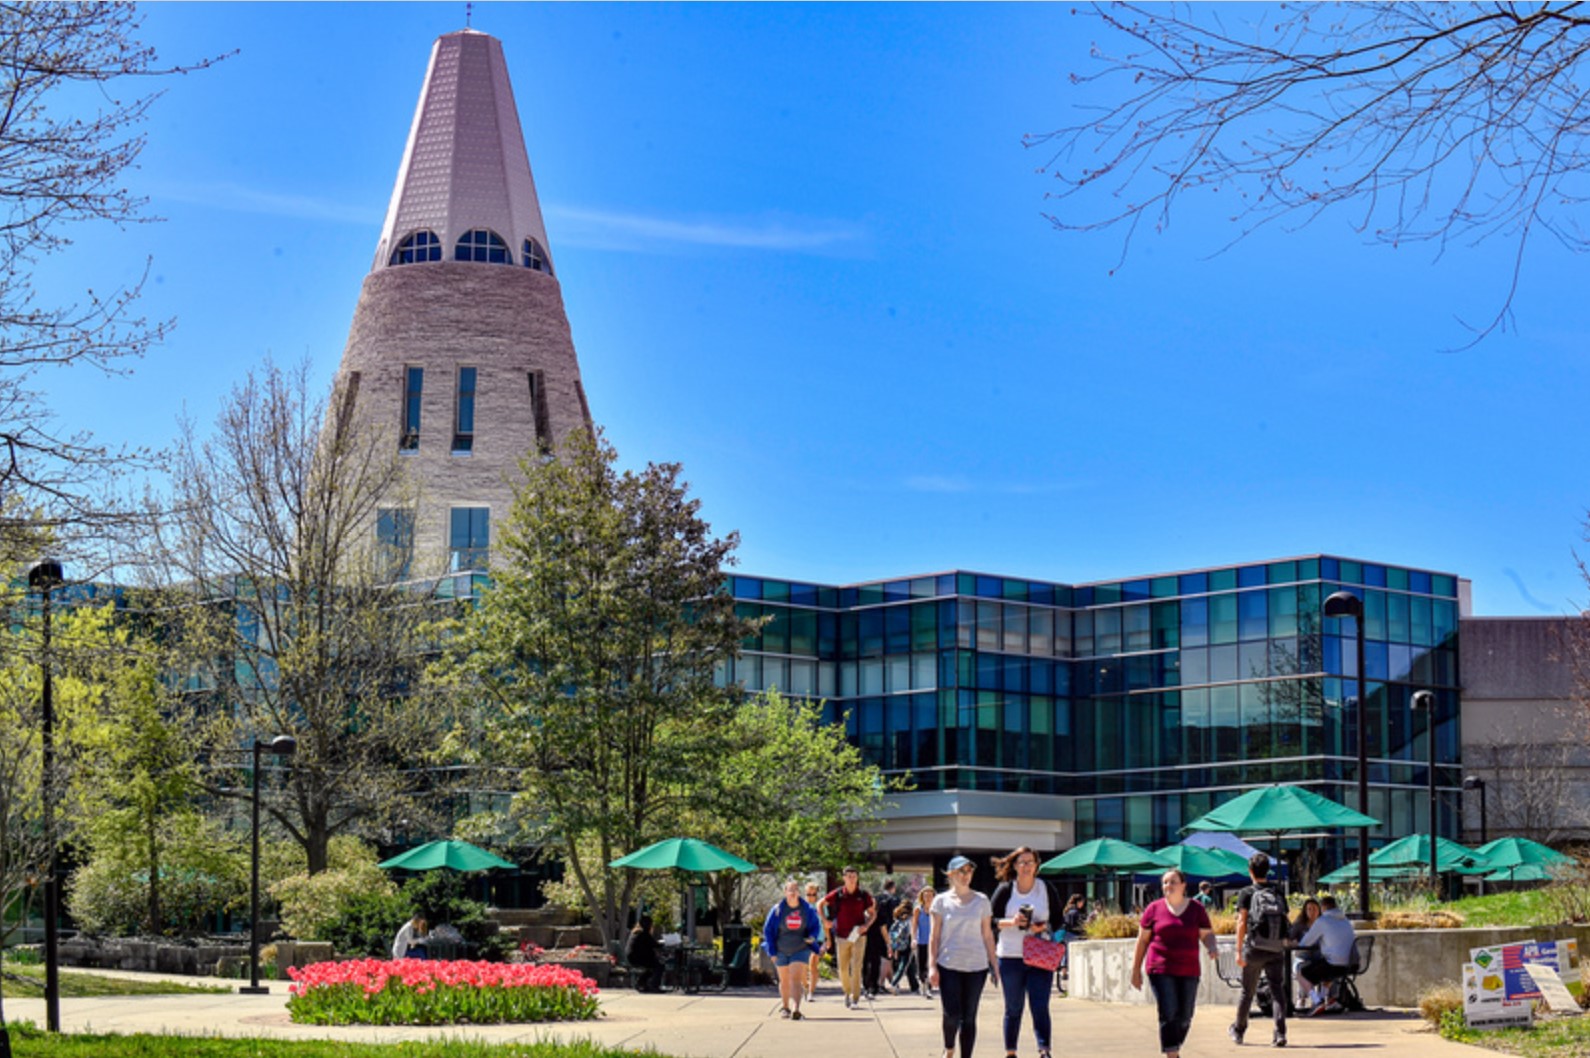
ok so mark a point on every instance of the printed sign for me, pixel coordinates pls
(1553, 992)
(1485, 1002)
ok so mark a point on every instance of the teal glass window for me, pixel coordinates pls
(1283, 612)
(1222, 618)
(1107, 631)
(482, 245)
(1137, 627)
(464, 411)
(469, 533)
(413, 389)
(1398, 618)
(1375, 615)
(1167, 626)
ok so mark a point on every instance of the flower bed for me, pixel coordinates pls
(435, 992)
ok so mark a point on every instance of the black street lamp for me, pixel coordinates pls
(1424, 702)
(44, 578)
(1474, 782)
(1346, 604)
(281, 746)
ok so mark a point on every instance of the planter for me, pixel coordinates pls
(598, 970)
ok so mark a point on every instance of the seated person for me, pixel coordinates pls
(643, 957)
(1306, 917)
(410, 940)
(1333, 935)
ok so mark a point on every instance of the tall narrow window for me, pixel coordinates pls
(538, 411)
(394, 538)
(464, 412)
(469, 538)
(413, 387)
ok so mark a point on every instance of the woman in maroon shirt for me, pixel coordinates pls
(1168, 936)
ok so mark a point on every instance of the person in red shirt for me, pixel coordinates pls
(850, 911)
(1168, 936)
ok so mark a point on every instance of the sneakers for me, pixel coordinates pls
(1234, 1032)
(850, 1004)
(1330, 1006)
(1279, 1040)
(784, 1012)
(797, 1016)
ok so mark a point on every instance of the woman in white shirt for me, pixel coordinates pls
(410, 940)
(1023, 904)
(960, 954)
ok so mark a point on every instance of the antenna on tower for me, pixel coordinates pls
(469, 11)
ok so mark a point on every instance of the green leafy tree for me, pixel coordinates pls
(592, 659)
(788, 792)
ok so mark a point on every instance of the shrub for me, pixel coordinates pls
(1223, 922)
(439, 896)
(1437, 999)
(427, 992)
(367, 923)
(202, 875)
(1404, 919)
(1108, 927)
(311, 903)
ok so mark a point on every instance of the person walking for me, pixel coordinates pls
(814, 968)
(790, 934)
(921, 934)
(850, 912)
(900, 949)
(1261, 948)
(960, 954)
(1023, 905)
(1206, 895)
(1168, 937)
(874, 961)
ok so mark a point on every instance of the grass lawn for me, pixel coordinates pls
(78, 985)
(30, 1043)
(1557, 1038)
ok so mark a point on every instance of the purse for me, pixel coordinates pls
(1042, 953)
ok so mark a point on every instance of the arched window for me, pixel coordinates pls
(483, 245)
(416, 248)
(535, 256)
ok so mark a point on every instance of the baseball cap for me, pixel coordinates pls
(956, 864)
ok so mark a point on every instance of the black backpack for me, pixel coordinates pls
(1267, 923)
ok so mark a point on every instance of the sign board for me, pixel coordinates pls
(1553, 992)
(1485, 1002)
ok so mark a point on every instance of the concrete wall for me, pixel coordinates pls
(1404, 964)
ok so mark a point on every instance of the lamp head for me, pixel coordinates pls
(282, 745)
(1424, 700)
(1344, 604)
(1473, 782)
(46, 574)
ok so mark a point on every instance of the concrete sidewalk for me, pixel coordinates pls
(745, 1024)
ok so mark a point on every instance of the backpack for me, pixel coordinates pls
(1267, 922)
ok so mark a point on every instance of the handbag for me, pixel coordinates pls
(1042, 953)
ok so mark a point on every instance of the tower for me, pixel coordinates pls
(460, 348)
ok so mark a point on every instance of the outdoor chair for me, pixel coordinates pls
(1347, 986)
(1226, 966)
(621, 972)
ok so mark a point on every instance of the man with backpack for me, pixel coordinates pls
(1262, 929)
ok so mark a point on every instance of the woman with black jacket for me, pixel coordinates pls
(1023, 904)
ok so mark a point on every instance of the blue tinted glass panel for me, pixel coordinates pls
(1194, 583)
(1251, 577)
(1134, 590)
(1375, 576)
(747, 588)
(1419, 582)
(990, 587)
(1330, 569)
(1253, 615)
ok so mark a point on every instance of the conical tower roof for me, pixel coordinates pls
(465, 166)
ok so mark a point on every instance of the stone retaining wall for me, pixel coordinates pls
(1404, 964)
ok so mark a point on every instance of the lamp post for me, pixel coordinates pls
(281, 746)
(1424, 702)
(1474, 782)
(1346, 604)
(44, 578)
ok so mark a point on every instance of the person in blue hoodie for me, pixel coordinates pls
(790, 935)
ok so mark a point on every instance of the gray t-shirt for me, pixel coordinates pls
(960, 926)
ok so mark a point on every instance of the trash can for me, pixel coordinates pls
(739, 966)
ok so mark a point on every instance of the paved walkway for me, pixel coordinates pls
(745, 1024)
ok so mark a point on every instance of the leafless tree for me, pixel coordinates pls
(1443, 123)
(276, 598)
(1535, 788)
(64, 162)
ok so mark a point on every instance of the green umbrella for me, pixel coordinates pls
(457, 855)
(1414, 851)
(1102, 855)
(1517, 852)
(1280, 809)
(685, 854)
(1203, 863)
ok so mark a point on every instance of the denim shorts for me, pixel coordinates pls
(800, 958)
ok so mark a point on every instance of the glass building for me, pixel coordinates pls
(1122, 709)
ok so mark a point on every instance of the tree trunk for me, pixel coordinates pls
(154, 879)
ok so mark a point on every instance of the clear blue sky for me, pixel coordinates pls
(802, 253)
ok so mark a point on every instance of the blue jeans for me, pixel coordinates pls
(1023, 983)
(1175, 996)
(960, 992)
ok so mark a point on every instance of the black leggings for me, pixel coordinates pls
(960, 991)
